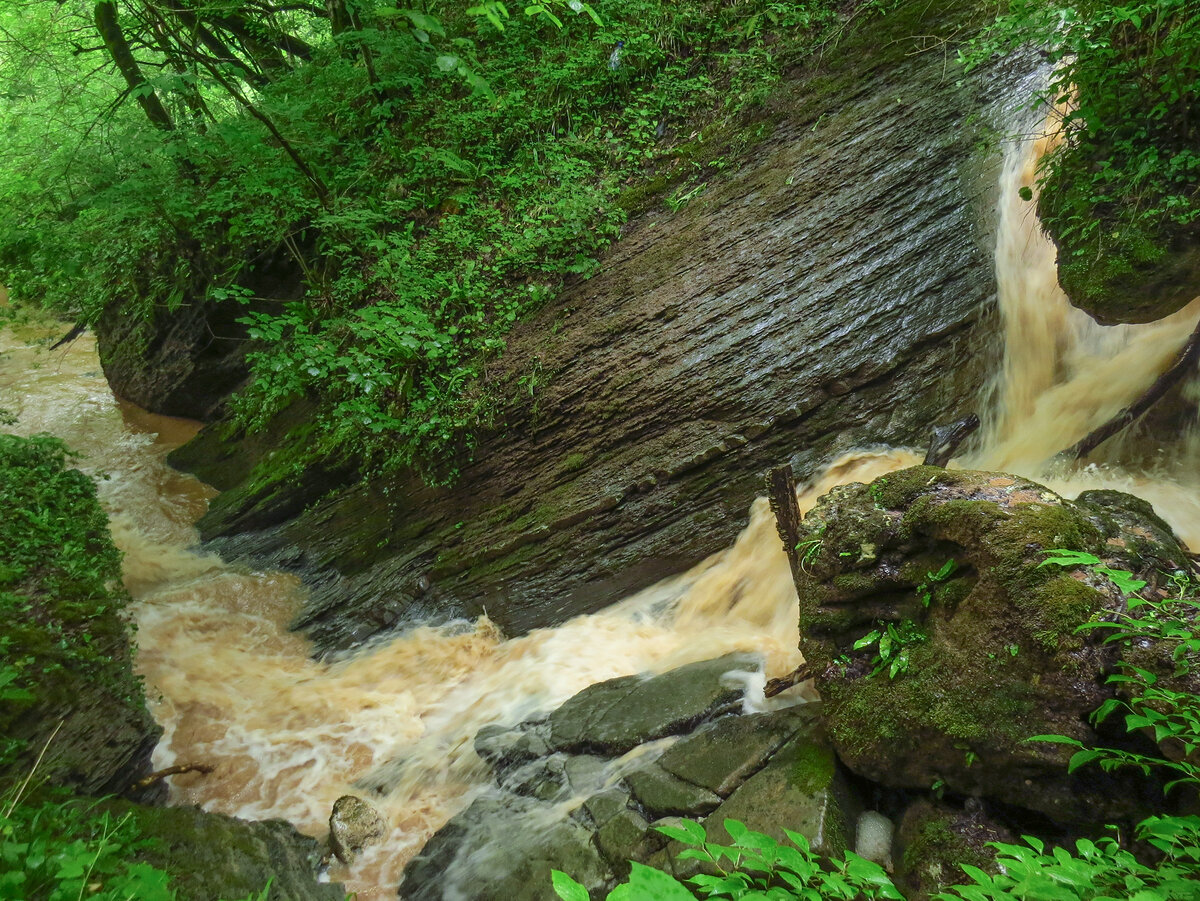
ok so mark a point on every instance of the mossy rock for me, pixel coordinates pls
(67, 684)
(984, 643)
(936, 839)
(210, 856)
(1129, 271)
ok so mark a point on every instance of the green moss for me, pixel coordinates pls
(934, 857)
(812, 768)
(1057, 608)
(573, 463)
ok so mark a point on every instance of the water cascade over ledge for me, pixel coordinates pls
(288, 735)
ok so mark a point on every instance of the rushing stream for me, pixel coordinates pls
(288, 735)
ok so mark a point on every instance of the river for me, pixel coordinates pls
(394, 722)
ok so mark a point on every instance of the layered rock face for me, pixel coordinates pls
(827, 294)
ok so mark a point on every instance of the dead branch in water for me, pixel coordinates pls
(1183, 363)
(783, 683)
(176, 770)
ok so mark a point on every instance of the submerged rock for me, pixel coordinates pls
(941, 643)
(353, 825)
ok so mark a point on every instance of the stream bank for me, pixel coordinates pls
(835, 284)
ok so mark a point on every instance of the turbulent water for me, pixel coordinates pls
(288, 735)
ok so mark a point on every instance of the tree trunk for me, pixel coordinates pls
(118, 49)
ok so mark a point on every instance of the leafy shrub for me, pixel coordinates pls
(755, 866)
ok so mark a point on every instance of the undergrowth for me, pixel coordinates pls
(449, 188)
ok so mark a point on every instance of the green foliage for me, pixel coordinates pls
(892, 643)
(755, 866)
(1124, 184)
(59, 581)
(63, 850)
(1121, 578)
(386, 210)
(1097, 870)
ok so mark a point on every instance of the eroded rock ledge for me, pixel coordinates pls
(830, 293)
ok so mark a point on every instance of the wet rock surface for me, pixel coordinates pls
(936, 838)
(834, 286)
(983, 650)
(353, 825)
(212, 856)
(589, 814)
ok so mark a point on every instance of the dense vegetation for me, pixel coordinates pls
(1121, 192)
(60, 590)
(386, 190)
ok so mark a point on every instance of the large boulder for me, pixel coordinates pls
(941, 642)
(211, 856)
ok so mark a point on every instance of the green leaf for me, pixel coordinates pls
(567, 888)
(688, 831)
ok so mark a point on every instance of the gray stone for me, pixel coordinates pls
(504, 850)
(665, 795)
(605, 805)
(722, 755)
(504, 747)
(544, 778)
(624, 838)
(615, 716)
(800, 788)
(353, 825)
(584, 773)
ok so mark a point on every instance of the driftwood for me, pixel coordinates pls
(781, 489)
(945, 440)
(783, 683)
(75, 332)
(176, 770)
(1184, 363)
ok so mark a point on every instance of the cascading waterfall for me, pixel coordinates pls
(288, 735)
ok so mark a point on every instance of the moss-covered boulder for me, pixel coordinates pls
(936, 839)
(941, 640)
(211, 856)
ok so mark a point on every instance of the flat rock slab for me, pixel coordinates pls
(616, 716)
(802, 789)
(662, 794)
(722, 755)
